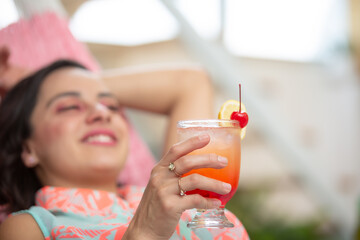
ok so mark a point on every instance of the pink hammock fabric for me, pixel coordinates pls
(46, 37)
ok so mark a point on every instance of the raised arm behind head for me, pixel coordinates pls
(179, 92)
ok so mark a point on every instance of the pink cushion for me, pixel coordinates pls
(43, 39)
(46, 37)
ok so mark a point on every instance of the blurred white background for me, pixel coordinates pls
(295, 61)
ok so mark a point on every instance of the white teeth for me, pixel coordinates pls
(100, 138)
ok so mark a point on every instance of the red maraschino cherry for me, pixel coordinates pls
(242, 117)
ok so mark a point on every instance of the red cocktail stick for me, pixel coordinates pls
(240, 97)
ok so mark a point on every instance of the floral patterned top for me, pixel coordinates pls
(72, 213)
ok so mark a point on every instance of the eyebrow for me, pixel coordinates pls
(64, 94)
(107, 94)
(77, 94)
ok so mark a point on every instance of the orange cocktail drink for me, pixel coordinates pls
(224, 141)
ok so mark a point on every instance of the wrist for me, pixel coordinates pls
(140, 234)
(137, 231)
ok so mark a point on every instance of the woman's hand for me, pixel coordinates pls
(9, 74)
(161, 206)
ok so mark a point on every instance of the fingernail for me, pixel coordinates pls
(227, 186)
(203, 137)
(216, 203)
(222, 159)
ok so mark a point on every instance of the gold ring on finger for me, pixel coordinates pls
(172, 169)
(182, 192)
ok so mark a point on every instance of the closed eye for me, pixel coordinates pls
(113, 108)
(68, 108)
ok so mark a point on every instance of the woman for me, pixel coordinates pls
(64, 141)
(30, 44)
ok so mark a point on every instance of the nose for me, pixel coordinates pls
(98, 113)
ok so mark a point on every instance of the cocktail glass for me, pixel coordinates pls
(224, 141)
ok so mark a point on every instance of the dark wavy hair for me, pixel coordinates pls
(18, 183)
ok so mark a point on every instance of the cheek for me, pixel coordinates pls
(123, 126)
(55, 131)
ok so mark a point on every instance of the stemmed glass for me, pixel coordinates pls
(224, 141)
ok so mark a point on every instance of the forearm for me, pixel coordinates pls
(182, 93)
(195, 102)
(156, 90)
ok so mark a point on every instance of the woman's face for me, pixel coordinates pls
(79, 136)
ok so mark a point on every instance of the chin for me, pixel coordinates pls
(108, 164)
(105, 172)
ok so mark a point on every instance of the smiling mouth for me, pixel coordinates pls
(100, 139)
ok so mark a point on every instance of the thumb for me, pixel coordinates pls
(4, 56)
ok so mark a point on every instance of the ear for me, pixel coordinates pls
(28, 156)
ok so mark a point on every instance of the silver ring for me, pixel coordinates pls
(181, 191)
(172, 169)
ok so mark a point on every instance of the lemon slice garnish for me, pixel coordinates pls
(228, 108)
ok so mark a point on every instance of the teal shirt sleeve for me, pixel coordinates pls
(43, 218)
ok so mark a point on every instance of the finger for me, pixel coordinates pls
(4, 55)
(187, 163)
(197, 201)
(182, 148)
(197, 181)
